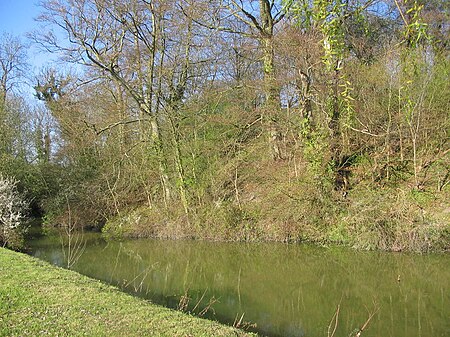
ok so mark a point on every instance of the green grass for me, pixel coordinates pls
(38, 299)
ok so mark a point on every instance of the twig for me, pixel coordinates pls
(336, 320)
(199, 301)
(206, 309)
(401, 12)
(364, 326)
(237, 323)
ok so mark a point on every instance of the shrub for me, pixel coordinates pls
(12, 213)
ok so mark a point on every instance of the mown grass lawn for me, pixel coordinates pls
(38, 299)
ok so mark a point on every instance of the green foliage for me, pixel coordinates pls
(422, 198)
(415, 31)
(315, 147)
(339, 234)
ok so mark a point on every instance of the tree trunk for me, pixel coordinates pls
(272, 94)
(270, 88)
(335, 116)
(158, 146)
(179, 165)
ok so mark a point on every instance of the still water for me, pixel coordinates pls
(278, 289)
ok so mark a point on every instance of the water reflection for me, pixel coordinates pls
(286, 290)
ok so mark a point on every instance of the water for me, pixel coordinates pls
(281, 290)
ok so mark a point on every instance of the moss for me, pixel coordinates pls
(39, 299)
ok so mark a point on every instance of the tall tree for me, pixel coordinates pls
(12, 69)
(151, 51)
(257, 20)
(122, 39)
(12, 65)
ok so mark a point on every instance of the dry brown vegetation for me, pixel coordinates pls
(326, 123)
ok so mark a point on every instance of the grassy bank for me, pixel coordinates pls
(39, 299)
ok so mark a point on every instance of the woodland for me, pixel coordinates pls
(322, 121)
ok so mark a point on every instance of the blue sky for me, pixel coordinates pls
(17, 17)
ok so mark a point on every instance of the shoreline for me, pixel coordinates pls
(37, 298)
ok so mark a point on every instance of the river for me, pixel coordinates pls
(275, 289)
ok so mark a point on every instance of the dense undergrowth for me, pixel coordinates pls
(332, 127)
(271, 203)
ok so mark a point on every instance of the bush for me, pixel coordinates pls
(12, 213)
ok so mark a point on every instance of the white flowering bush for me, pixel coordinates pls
(12, 213)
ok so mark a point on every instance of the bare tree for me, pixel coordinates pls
(148, 49)
(12, 65)
(121, 40)
(12, 69)
(256, 20)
